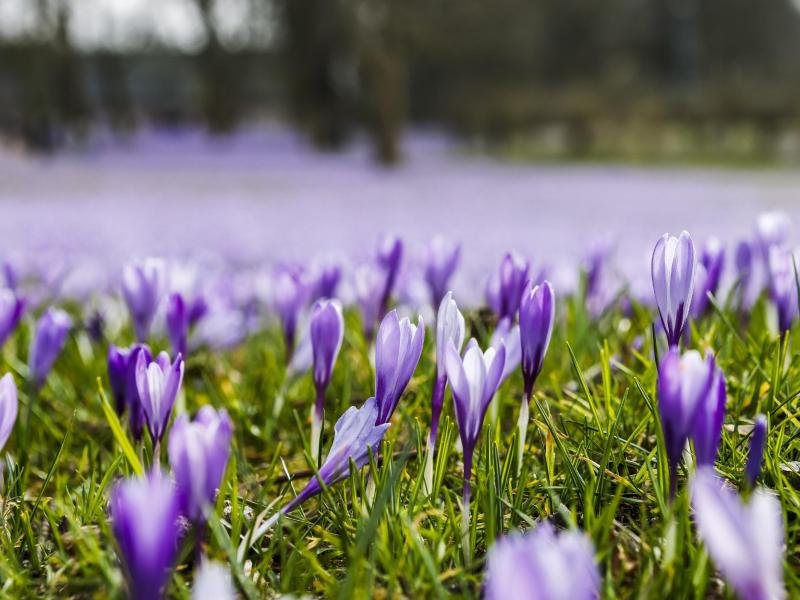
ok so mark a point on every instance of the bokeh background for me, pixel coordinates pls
(289, 128)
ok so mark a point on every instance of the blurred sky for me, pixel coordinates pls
(128, 24)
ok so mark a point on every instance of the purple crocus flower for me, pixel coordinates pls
(707, 275)
(389, 255)
(756, 455)
(158, 384)
(672, 267)
(355, 435)
(536, 317)
(748, 284)
(504, 289)
(144, 513)
(449, 328)
(289, 297)
(198, 454)
(707, 427)
(326, 279)
(772, 231)
(441, 261)
(177, 323)
(783, 287)
(8, 407)
(474, 381)
(47, 343)
(143, 283)
(11, 309)
(542, 565)
(398, 347)
(683, 385)
(132, 397)
(118, 375)
(745, 541)
(368, 283)
(327, 333)
(507, 334)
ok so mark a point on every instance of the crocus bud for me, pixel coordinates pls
(143, 283)
(118, 375)
(672, 266)
(756, 455)
(389, 255)
(132, 398)
(198, 454)
(213, 582)
(683, 384)
(504, 289)
(144, 513)
(748, 285)
(158, 384)
(47, 343)
(536, 316)
(745, 541)
(325, 281)
(782, 286)
(368, 283)
(540, 564)
(449, 328)
(8, 407)
(327, 333)
(398, 347)
(11, 309)
(712, 257)
(441, 262)
(289, 297)
(707, 427)
(177, 323)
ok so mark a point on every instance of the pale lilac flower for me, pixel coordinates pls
(11, 309)
(756, 455)
(672, 267)
(745, 541)
(198, 454)
(441, 261)
(213, 582)
(541, 565)
(772, 231)
(8, 407)
(507, 335)
(504, 290)
(398, 347)
(290, 294)
(143, 284)
(158, 384)
(683, 385)
(368, 284)
(449, 328)
(389, 256)
(47, 343)
(783, 286)
(144, 513)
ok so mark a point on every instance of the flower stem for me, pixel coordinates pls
(465, 509)
(522, 425)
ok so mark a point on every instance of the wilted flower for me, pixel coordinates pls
(198, 454)
(144, 513)
(398, 347)
(504, 289)
(47, 343)
(441, 261)
(326, 333)
(745, 541)
(177, 323)
(683, 385)
(8, 407)
(389, 255)
(158, 384)
(143, 283)
(707, 428)
(355, 435)
(673, 266)
(11, 309)
(213, 582)
(289, 296)
(542, 565)
(756, 455)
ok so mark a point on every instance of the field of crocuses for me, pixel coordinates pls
(398, 419)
